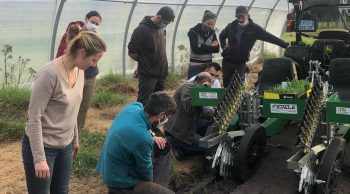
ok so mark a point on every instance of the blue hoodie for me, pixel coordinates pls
(126, 156)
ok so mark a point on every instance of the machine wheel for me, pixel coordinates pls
(331, 165)
(250, 153)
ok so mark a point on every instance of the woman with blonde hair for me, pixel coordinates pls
(51, 134)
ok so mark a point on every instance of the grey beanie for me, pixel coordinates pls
(208, 15)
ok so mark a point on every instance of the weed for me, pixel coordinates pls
(173, 80)
(90, 146)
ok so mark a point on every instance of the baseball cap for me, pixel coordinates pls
(167, 13)
(241, 10)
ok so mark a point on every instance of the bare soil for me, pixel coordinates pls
(272, 178)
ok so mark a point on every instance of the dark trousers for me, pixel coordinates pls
(161, 176)
(147, 86)
(60, 163)
(193, 148)
(229, 68)
(194, 70)
(161, 167)
(143, 187)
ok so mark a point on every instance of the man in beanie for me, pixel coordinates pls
(237, 39)
(147, 47)
(203, 43)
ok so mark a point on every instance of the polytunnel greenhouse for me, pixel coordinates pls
(34, 28)
(175, 96)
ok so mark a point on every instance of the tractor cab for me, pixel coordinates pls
(321, 33)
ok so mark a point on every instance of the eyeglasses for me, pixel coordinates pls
(213, 75)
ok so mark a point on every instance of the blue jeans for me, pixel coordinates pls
(60, 163)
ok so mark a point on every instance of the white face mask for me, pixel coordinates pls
(246, 22)
(161, 124)
(91, 27)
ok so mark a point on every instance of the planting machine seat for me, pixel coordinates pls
(339, 72)
(274, 72)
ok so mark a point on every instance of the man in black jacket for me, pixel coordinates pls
(237, 39)
(147, 47)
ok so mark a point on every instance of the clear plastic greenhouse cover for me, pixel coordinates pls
(33, 28)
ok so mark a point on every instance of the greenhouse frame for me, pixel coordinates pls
(35, 27)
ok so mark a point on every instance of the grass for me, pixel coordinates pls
(15, 102)
(269, 55)
(103, 99)
(14, 99)
(115, 83)
(290, 37)
(90, 146)
(11, 129)
(173, 80)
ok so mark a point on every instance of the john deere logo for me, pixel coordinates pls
(328, 48)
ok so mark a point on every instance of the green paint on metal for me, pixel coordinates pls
(337, 110)
(344, 132)
(234, 123)
(206, 96)
(289, 109)
(328, 48)
(273, 126)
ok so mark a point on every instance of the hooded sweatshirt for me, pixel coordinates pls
(148, 41)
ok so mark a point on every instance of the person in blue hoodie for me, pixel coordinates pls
(125, 163)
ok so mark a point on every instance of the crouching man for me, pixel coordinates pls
(189, 124)
(125, 163)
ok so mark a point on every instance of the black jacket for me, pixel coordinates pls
(198, 32)
(149, 43)
(252, 32)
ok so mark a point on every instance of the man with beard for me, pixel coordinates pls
(147, 47)
(237, 40)
(125, 163)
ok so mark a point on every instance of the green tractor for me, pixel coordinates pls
(319, 102)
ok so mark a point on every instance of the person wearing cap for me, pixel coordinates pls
(237, 40)
(147, 47)
(203, 44)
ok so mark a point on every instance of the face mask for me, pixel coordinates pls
(161, 124)
(162, 26)
(91, 27)
(246, 22)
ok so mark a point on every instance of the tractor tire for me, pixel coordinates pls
(332, 160)
(250, 153)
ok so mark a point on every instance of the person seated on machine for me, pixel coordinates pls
(214, 69)
(189, 123)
